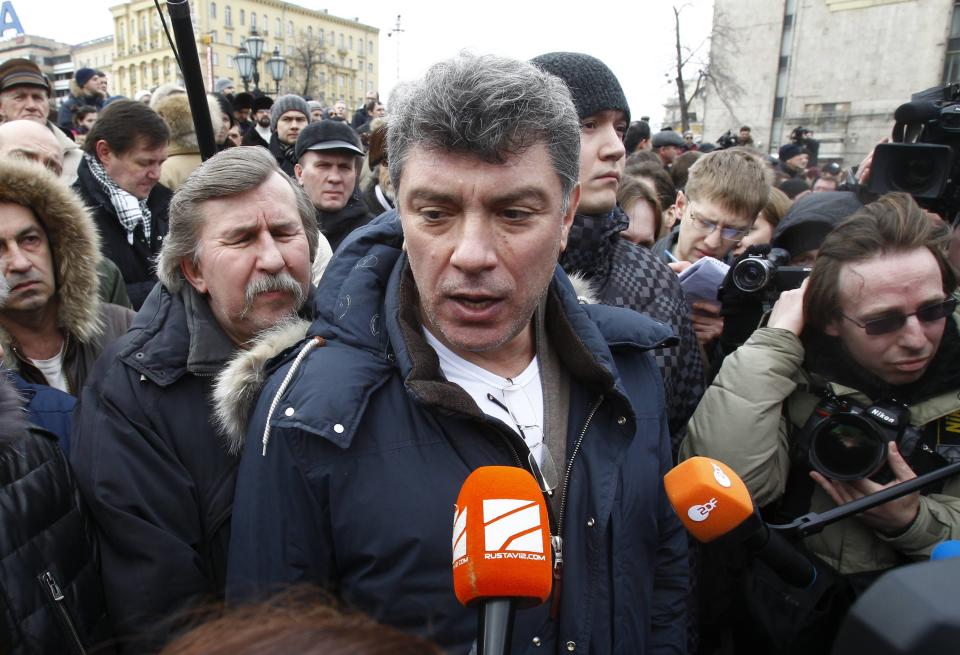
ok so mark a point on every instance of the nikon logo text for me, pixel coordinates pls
(511, 529)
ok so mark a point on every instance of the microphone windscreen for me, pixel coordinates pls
(710, 499)
(916, 112)
(501, 538)
(946, 550)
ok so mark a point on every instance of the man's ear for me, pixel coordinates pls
(681, 202)
(194, 275)
(833, 328)
(567, 220)
(298, 172)
(104, 154)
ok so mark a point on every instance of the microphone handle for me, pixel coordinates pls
(780, 555)
(495, 626)
(812, 523)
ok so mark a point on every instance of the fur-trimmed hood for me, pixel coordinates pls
(175, 112)
(74, 242)
(237, 386)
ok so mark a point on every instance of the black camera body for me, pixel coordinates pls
(844, 441)
(727, 140)
(768, 273)
(923, 158)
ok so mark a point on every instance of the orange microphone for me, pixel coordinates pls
(714, 504)
(501, 550)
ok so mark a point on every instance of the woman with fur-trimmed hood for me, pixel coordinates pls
(71, 312)
(183, 153)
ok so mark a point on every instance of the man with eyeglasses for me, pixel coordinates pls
(725, 191)
(875, 321)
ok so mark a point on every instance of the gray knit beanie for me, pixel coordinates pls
(592, 84)
(283, 104)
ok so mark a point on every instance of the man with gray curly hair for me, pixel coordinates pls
(447, 339)
(156, 476)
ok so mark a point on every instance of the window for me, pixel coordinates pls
(229, 61)
(360, 46)
(229, 38)
(370, 48)
(213, 36)
(243, 17)
(253, 20)
(278, 29)
(341, 41)
(213, 10)
(340, 81)
(228, 16)
(351, 62)
(321, 38)
(216, 59)
(289, 28)
(370, 70)
(351, 42)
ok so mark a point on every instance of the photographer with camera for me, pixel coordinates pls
(871, 334)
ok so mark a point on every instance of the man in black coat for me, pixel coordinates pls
(288, 116)
(329, 157)
(119, 180)
(258, 134)
(616, 271)
(148, 460)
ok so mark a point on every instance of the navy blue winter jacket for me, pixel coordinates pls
(350, 480)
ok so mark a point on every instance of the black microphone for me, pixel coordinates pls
(714, 505)
(910, 610)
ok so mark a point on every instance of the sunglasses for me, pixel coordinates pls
(892, 323)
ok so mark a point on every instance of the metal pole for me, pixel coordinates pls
(179, 11)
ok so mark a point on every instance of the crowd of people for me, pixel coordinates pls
(240, 395)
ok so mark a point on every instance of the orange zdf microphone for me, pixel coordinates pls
(714, 504)
(501, 550)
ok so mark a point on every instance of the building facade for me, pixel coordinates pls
(838, 67)
(328, 58)
(96, 54)
(52, 57)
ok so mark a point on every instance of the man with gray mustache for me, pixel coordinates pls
(157, 477)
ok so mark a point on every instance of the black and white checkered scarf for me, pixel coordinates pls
(130, 210)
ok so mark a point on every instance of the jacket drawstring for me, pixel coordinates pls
(307, 347)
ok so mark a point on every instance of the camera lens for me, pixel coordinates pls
(912, 174)
(847, 447)
(750, 275)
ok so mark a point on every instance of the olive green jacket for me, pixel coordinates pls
(740, 422)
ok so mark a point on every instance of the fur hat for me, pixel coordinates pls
(74, 241)
(175, 112)
(283, 104)
(593, 86)
(262, 102)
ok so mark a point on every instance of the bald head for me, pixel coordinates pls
(30, 140)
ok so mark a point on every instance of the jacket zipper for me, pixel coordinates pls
(557, 540)
(56, 597)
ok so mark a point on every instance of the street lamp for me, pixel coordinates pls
(247, 59)
(245, 66)
(278, 67)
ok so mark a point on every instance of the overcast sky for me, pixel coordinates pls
(635, 39)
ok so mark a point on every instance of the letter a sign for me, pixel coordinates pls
(9, 19)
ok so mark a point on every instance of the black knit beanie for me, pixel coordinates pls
(592, 85)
